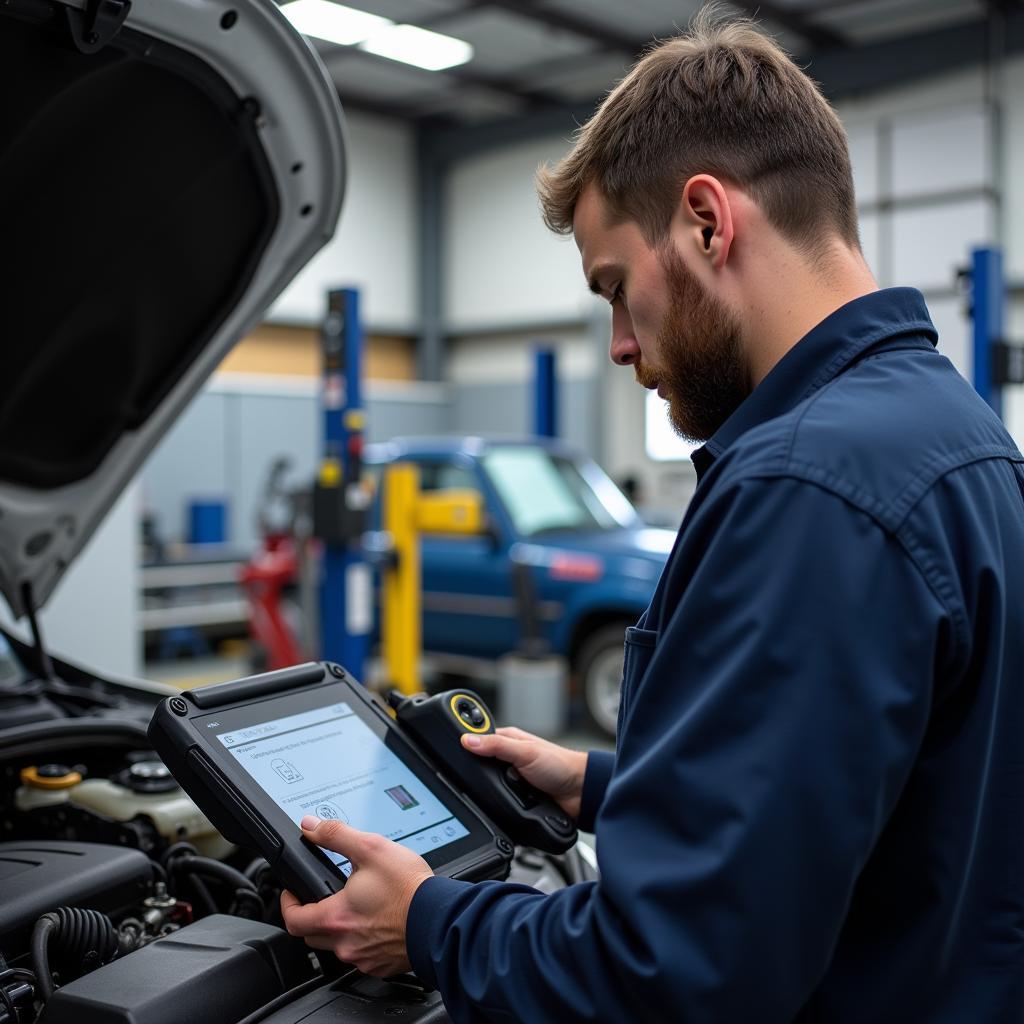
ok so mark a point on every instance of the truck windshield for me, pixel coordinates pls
(543, 491)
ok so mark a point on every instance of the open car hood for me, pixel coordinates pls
(166, 168)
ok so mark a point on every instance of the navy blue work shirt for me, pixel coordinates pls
(816, 809)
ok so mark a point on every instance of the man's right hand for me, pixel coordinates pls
(552, 769)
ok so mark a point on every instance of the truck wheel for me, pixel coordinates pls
(599, 667)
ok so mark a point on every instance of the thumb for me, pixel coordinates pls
(334, 835)
(505, 748)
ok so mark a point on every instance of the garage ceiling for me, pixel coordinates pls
(532, 55)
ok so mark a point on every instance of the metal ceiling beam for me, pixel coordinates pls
(794, 20)
(894, 61)
(500, 85)
(585, 28)
(840, 72)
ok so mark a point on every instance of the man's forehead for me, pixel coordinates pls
(593, 229)
(591, 214)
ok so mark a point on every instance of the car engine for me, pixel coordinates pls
(119, 901)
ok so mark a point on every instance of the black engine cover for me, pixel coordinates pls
(215, 971)
(37, 876)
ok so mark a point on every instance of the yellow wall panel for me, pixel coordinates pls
(282, 351)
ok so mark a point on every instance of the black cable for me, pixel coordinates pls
(45, 665)
(158, 870)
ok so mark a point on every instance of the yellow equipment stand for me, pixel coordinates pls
(408, 514)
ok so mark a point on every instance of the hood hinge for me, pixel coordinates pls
(94, 27)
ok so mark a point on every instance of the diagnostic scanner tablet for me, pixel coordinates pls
(258, 754)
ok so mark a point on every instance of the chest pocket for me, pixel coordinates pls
(639, 649)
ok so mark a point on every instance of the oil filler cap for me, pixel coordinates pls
(50, 776)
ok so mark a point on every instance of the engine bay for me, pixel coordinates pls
(119, 901)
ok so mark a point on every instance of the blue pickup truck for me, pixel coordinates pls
(555, 518)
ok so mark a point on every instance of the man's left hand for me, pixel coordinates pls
(364, 924)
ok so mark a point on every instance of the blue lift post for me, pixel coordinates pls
(545, 408)
(340, 498)
(988, 304)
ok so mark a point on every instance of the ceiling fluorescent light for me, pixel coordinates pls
(417, 46)
(333, 22)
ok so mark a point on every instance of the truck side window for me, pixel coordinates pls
(443, 476)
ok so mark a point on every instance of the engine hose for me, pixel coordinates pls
(213, 869)
(173, 852)
(202, 895)
(243, 895)
(256, 870)
(81, 938)
(182, 859)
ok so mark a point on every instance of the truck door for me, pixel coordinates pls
(469, 605)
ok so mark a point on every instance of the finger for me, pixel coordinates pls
(335, 835)
(515, 732)
(302, 919)
(505, 748)
(289, 900)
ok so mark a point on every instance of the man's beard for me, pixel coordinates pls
(703, 375)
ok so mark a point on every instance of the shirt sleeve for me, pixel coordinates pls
(760, 756)
(600, 765)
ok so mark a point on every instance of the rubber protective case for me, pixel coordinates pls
(233, 806)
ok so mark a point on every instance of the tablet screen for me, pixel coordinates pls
(328, 762)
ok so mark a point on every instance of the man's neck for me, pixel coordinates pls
(783, 305)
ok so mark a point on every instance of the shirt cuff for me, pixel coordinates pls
(600, 765)
(428, 911)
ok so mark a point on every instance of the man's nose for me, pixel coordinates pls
(624, 350)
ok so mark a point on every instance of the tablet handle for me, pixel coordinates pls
(258, 686)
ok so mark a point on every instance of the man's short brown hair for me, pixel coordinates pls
(722, 99)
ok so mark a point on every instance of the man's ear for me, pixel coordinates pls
(706, 219)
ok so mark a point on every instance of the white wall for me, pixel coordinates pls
(925, 162)
(501, 264)
(375, 246)
(92, 618)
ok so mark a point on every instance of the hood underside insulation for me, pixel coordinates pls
(136, 202)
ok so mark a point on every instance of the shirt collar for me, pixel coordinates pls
(820, 356)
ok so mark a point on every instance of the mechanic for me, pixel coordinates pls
(816, 808)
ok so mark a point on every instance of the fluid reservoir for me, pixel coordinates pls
(44, 785)
(146, 787)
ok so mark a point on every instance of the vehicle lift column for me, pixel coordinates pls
(408, 514)
(545, 391)
(997, 362)
(341, 497)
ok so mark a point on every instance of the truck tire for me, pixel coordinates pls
(599, 670)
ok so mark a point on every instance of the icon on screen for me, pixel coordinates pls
(402, 797)
(449, 830)
(228, 738)
(331, 812)
(286, 770)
